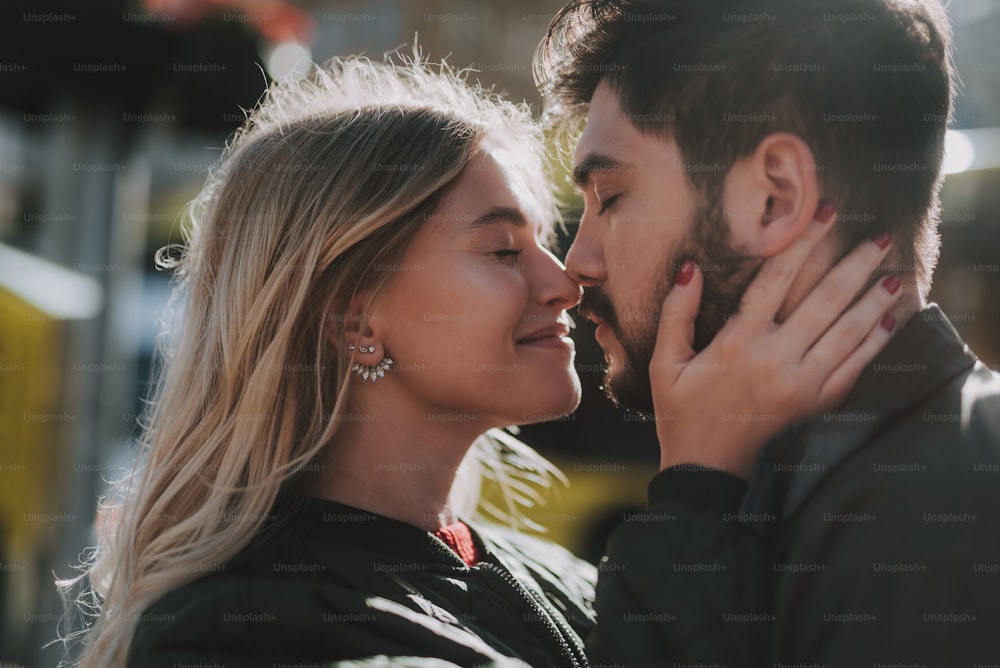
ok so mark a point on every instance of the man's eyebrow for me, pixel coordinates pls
(501, 214)
(596, 162)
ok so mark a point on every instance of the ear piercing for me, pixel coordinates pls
(370, 372)
(373, 372)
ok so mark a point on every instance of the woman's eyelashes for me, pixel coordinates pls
(506, 253)
(509, 247)
(606, 204)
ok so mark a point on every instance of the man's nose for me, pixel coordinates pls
(585, 259)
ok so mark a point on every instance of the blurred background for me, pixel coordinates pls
(111, 113)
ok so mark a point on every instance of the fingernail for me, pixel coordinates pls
(888, 322)
(685, 273)
(891, 283)
(882, 240)
(825, 212)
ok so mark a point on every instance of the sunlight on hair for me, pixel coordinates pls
(288, 60)
(959, 152)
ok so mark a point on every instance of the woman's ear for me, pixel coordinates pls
(771, 196)
(353, 326)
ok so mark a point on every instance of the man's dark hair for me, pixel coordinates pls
(866, 83)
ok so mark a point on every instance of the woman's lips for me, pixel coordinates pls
(560, 342)
(552, 336)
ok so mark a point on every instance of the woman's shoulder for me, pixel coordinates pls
(227, 601)
(251, 619)
(245, 613)
(326, 592)
(264, 599)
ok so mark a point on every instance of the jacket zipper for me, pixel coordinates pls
(574, 653)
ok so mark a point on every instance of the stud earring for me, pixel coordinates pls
(350, 346)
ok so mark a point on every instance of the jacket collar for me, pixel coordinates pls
(341, 523)
(922, 357)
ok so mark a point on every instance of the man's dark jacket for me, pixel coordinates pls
(876, 529)
(883, 518)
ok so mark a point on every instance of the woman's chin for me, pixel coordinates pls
(556, 404)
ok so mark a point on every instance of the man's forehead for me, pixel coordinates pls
(606, 126)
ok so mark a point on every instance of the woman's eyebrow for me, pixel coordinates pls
(501, 214)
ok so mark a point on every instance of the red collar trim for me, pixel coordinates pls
(459, 538)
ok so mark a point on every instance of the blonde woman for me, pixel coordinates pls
(366, 296)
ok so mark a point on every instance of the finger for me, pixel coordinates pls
(675, 334)
(824, 304)
(850, 330)
(835, 389)
(767, 292)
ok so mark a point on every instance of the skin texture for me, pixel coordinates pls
(643, 217)
(466, 296)
(457, 318)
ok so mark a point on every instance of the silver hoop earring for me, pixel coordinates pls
(373, 372)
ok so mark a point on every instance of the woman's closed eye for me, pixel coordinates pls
(606, 204)
(508, 252)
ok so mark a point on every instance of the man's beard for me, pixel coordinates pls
(726, 274)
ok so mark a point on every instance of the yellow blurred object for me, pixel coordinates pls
(38, 299)
(580, 516)
(31, 424)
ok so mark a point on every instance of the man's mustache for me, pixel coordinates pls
(596, 305)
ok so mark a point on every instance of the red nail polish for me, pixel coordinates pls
(685, 273)
(891, 283)
(825, 212)
(882, 240)
(888, 322)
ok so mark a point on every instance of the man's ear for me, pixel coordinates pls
(771, 196)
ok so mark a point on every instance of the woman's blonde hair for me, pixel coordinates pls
(313, 200)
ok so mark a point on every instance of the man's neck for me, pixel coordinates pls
(818, 265)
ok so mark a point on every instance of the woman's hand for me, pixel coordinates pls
(717, 408)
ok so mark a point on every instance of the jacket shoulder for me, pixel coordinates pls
(240, 612)
(981, 402)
